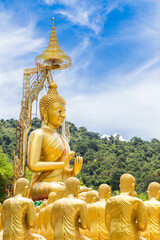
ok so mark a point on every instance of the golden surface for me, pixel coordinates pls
(18, 214)
(43, 226)
(96, 215)
(48, 152)
(153, 212)
(125, 215)
(69, 213)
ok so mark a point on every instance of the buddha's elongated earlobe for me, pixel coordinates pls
(45, 117)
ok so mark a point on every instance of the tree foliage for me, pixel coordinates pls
(103, 160)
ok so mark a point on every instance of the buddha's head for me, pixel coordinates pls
(72, 186)
(127, 184)
(154, 190)
(22, 187)
(104, 191)
(52, 107)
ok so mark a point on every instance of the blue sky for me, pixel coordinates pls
(114, 82)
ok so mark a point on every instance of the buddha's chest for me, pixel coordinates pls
(53, 147)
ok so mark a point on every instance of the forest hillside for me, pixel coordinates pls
(104, 160)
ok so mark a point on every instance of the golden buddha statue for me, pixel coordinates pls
(48, 152)
(125, 215)
(18, 214)
(69, 213)
(96, 215)
(153, 212)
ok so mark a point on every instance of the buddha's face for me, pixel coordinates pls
(56, 114)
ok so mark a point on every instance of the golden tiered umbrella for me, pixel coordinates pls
(53, 57)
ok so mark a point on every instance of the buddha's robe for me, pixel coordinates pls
(125, 216)
(96, 219)
(54, 148)
(47, 222)
(153, 220)
(66, 214)
(18, 215)
(41, 222)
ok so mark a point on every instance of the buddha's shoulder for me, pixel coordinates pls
(151, 203)
(112, 200)
(20, 200)
(7, 202)
(80, 202)
(37, 132)
(66, 201)
(41, 132)
(57, 203)
(124, 198)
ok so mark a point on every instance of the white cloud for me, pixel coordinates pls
(80, 62)
(93, 14)
(65, 2)
(90, 14)
(17, 45)
(129, 109)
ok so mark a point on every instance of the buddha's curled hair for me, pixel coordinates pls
(52, 96)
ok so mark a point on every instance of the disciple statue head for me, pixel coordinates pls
(52, 107)
(154, 190)
(22, 186)
(91, 197)
(127, 183)
(52, 197)
(72, 186)
(104, 191)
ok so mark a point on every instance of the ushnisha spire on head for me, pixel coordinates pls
(53, 58)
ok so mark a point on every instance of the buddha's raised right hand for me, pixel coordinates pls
(68, 157)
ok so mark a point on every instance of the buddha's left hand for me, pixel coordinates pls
(77, 166)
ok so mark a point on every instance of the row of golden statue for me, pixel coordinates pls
(71, 211)
(88, 215)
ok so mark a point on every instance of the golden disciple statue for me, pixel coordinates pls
(69, 213)
(48, 213)
(89, 197)
(96, 215)
(48, 152)
(153, 212)
(125, 215)
(47, 219)
(18, 214)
